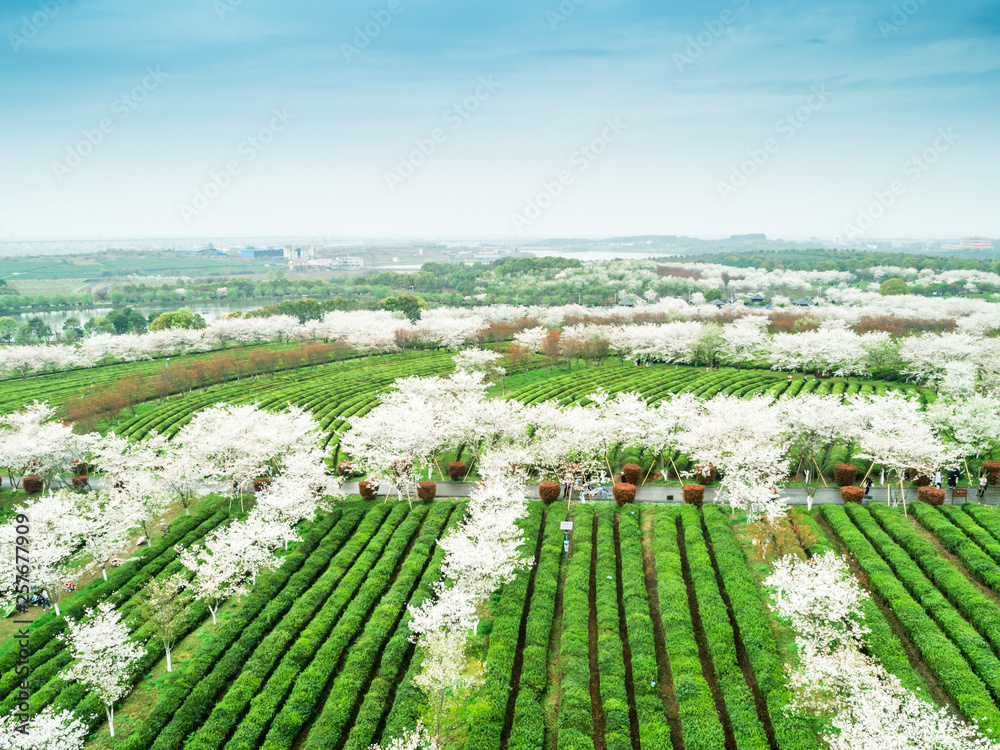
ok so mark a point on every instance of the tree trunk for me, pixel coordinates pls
(168, 660)
(56, 605)
(213, 610)
(104, 573)
(110, 713)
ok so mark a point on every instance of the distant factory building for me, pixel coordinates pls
(263, 254)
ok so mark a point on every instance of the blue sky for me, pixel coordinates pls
(490, 119)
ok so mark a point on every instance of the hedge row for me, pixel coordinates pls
(700, 723)
(791, 732)
(385, 689)
(309, 686)
(654, 731)
(987, 518)
(486, 714)
(942, 656)
(225, 652)
(126, 579)
(958, 542)
(882, 642)
(53, 656)
(270, 699)
(964, 595)
(351, 684)
(747, 728)
(229, 710)
(973, 530)
(610, 652)
(575, 720)
(528, 730)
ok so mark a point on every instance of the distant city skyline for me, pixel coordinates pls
(513, 121)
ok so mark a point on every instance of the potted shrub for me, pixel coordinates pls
(633, 473)
(261, 483)
(549, 491)
(704, 474)
(845, 474)
(368, 489)
(624, 492)
(427, 491)
(694, 494)
(80, 481)
(33, 484)
(79, 468)
(457, 470)
(852, 494)
(919, 478)
(346, 469)
(992, 471)
(931, 495)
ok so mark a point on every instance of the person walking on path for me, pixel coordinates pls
(566, 486)
(982, 485)
(953, 478)
(937, 478)
(868, 486)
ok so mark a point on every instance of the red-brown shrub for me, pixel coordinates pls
(852, 494)
(633, 473)
(32, 484)
(80, 481)
(845, 474)
(549, 491)
(624, 492)
(261, 483)
(920, 479)
(346, 468)
(931, 495)
(368, 489)
(694, 494)
(427, 491)
(704, 473)
(992, 471)
(457, 470)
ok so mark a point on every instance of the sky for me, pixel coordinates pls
(445, 119)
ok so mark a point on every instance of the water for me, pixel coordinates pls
(210, 310)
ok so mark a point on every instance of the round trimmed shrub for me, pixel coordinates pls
(457, 470)
(346, 469)
(80, 481)
(549, 491)
(919, 478)
(368, 489)
(845, 474)
(32, 484)
(704, 474)
(633, 473)
(694, 494)
(427, 491)
(852, 494)
(624, 492)
(931, 495)
(261, 483)
(79, 468)
(992, 471)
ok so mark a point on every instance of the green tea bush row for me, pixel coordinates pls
(973, 530)
(610, 652)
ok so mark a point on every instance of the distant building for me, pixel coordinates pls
(802, 302)
(971, 243)
(757, 300)
(350, 261)
(263, 254)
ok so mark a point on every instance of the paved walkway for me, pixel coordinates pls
(672, 494)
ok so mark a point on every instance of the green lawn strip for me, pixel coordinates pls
(700, 723)
(222, 655)
(327, 645)
(351, 684)
(527, 731)
(791, 732)
(575, 718)
(230, 707)
(747, 728)
(981, 612)
(942, 656)
(610, 652)
(382, 693)
(881, 642)
(654, 731)
(487, 712)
